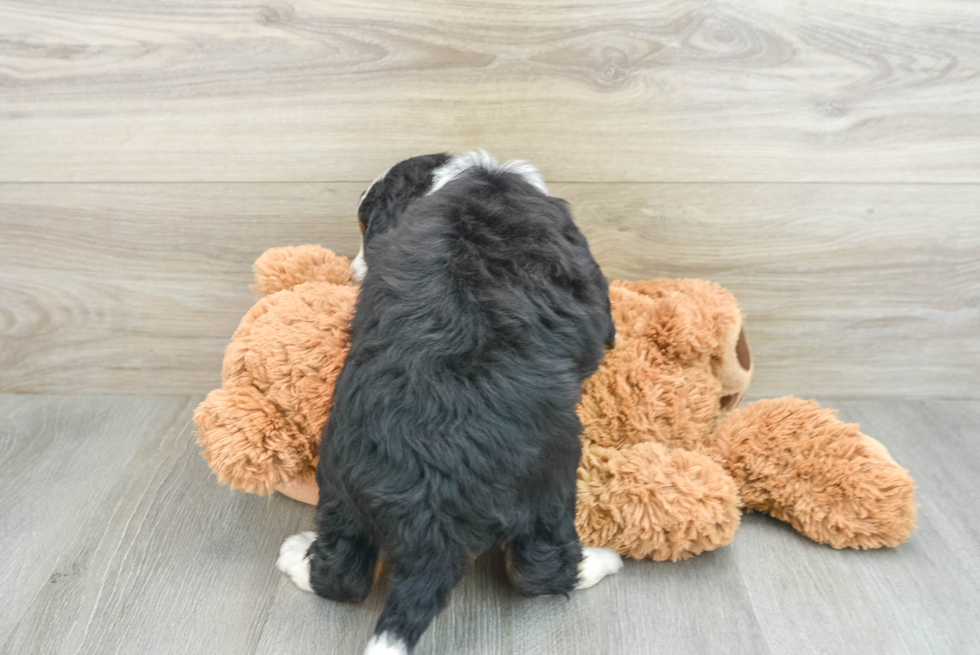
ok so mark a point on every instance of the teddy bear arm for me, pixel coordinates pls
(650, 501)
(303, 487)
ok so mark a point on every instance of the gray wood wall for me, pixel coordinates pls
(821, 160)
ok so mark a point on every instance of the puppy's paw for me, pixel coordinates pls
(386, 644)
(294, 560)
(596, 564)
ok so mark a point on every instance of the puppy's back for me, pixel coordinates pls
(453, 424)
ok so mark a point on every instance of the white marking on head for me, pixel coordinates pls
(596, 564)
(482, 159)
(358, 267)
(294, 559)
(386, 644)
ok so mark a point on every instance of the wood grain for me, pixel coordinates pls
(849, 290)
(812, 599)
(138, 287)
(669, 90)
(118, 539)
(59, 461)
(161, 559)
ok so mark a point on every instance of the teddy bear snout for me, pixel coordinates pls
(742, 351)
(729, 401)
(735, 371)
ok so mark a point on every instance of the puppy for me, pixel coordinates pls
(453, 426)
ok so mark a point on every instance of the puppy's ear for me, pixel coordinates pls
(390, 195)
(377, 212)
(379, 220)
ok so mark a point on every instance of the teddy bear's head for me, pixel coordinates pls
(647, 485)
(681, 362)
(261, 430)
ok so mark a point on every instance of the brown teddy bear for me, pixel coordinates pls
(669, 459)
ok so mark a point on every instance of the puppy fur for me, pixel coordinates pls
(453, 426)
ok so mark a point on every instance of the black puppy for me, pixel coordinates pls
(453, 426)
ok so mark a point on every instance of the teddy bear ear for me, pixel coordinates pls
(286, 267)
(687, 320)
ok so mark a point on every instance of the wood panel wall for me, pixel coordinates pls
(822, 160)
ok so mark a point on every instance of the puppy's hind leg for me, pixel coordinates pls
(549, 560)
(337, 562)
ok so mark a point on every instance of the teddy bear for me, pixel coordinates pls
(670, 457)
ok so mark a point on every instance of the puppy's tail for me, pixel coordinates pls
(417, 591)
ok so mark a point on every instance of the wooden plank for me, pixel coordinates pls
(850, 290)
(139, 288)
(937, 441)
(117, 539)
(669, 90)
(164, 560)
(477, 619)
(921, 597)
(648, 608)
(59, 460)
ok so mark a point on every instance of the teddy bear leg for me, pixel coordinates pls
(648, 501)
(798, 462)
(302, 487)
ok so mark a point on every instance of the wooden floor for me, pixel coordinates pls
(117, 539)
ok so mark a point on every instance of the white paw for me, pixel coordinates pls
(293, 560)
(596, 564)
(386, 644)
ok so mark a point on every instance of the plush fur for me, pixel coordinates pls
(667, 456)
(453, 424)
